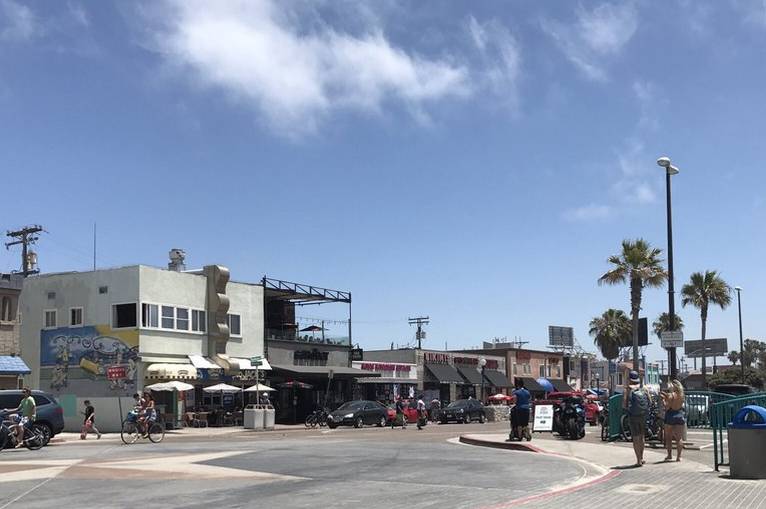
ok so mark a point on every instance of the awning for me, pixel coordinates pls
(531, 385)
(386, 380)
(239, 363)
(445, 373)
(323, 371)
(171, 371)
(13, 365)
(470, 374)
(201, 362)
(560, 385)
(496, 378)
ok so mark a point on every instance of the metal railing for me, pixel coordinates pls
(697, 405)
(292, 335)
(721, 414)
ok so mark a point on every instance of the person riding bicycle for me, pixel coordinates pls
(28, 411)
(149, 413)
(400, 417)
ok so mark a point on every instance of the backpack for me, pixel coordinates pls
(639, 402)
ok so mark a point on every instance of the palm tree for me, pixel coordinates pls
(662, 324)
(610, 331)
(639, 265)
(701, 291)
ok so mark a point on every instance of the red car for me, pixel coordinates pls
(592, 409)
(410, 412)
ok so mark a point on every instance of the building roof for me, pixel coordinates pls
(13, 365)
(501, 351)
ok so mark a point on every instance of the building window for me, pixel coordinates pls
(168, 317)
(75, 317)
(198, 320)
(542, 370)
(515, 369)
(124, 315)
(235, 325)
(557, 372)
(182, 318)
(150, 315)
(5, 314)
(103, 289)
(50, 318)
(51, 295)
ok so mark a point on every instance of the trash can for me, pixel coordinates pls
(747, 443)
(268, 417)
(253, 417)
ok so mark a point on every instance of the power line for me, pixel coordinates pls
(420, 334)
(27, 236)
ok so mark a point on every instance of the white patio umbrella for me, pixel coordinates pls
(170, 386)
(259, 387)
(228, 389)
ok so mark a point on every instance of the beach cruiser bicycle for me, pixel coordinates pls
(34, 438)
(133, 429)
(317, 418)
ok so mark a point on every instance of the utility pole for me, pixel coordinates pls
(420, 322)
(26, 237)
(662, 365)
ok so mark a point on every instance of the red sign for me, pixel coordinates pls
(474, 361)
(436, 358)
(381, 366)
(116, 372)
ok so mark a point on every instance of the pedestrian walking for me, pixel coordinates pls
(89, 424)
(436, 406)
(422, 415)
(636, 401)
(400, 417)
(673, 401)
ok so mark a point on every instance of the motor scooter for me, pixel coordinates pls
(569, 418)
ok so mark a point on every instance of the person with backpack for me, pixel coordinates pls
(635, 400)
(422, 415)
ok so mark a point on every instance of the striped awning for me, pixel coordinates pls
(165, 371)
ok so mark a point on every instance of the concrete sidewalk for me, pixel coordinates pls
(669, 485)
(209, 432)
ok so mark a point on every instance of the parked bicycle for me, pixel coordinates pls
(655, 426)
(603, 420)
(33, 439)
(317, 418)
(133, 429)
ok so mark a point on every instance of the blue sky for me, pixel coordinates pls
(474, 162)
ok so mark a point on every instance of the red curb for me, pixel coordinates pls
(513, 446)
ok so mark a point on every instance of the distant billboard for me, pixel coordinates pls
(560, 336)
(713, 347)
(643, 334)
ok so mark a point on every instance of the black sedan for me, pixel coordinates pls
(357, 414)
(463, 410)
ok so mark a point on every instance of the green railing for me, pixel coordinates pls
(615, 417)
(721, 414)
(698, 404)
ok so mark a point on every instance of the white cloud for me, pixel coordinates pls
(591, 212)
(595, 35)
(294, 75)
(18, 22)
(79, 14)
(754, 12)
(633, 185)
(501, 58)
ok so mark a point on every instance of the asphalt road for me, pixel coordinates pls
(372, 467)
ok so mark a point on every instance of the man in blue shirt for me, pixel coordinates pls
(520, 412)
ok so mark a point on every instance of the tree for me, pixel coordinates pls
(610, 331)
(662, 324)
(733, 357)
(701, 291)
(753, 377)
(639, 265)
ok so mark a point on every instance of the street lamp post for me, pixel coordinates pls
(741, 342)
(669, 171)
(482, 363)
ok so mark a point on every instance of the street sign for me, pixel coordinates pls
(543, 418)
(256, 361)
(643, 334)
(672, 339)
(116, 372)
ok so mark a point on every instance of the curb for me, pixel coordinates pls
(513, 446)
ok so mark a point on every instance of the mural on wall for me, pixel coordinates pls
(78, 359)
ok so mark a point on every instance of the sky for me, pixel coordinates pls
(475, 162)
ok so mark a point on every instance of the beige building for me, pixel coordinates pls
(10, 323)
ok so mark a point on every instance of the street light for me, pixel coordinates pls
(482, 363)
(741, 343)
(669, 171)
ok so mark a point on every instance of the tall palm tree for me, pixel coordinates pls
(610, 331)
(701, 291)
(639, 265)
(662, 324)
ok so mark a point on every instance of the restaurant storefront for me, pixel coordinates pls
(308, 376)
(395, 380)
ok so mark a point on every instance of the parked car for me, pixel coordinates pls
(410, 412)
(50, 415)
(357, 414)
(735, 389)
(463, 410)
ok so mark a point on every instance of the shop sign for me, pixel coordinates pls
(357, 354)
(474, 361)
(116, 372)
(382, 366)
(310, 355)
(523, 356)
(543, 418)
(436, 358)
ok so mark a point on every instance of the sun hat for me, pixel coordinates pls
(634, 378)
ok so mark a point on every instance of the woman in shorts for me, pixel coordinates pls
(673, 400)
